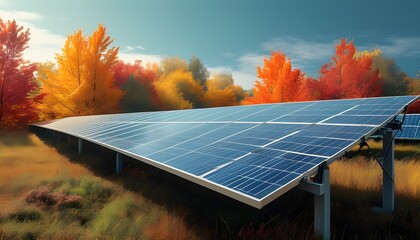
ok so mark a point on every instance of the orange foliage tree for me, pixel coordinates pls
(17, 83)
(311, 89)
(279, 82)
(84, 81)
(348, 75)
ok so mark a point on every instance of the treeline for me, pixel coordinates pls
(349, 74)
(87, 78)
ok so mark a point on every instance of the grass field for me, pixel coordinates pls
(54, 193)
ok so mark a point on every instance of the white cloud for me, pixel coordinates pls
(244, 73)
(145, 58)
(250, 61)
(243, 77)
(19, 16)
(4, 3)
(133, 48)
(398, 47)
(300, 49)
(42, 44)
(131, 54)
(45, 44)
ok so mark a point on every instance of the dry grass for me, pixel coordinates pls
(27, 163)
(167, 227)
(366, 175)
(104, 210)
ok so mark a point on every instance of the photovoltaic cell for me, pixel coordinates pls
(251, 153)
(410, 127)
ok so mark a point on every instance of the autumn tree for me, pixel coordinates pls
(278, 81)
(349, 76)
(45, 110)
(221, 91)
(172, 64)
(60, 84)
(137, 83)
(17, 83)
(311, 89)
(178, 90)
(414, 89)
(199, 71)
(394, 83)
(83, 84)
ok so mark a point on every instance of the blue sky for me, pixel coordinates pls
(229, 36)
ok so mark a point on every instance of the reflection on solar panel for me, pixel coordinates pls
(251, 153)
(410, 127)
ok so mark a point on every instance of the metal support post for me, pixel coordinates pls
(80, 146)
(388, 164)
(118, 163)
(322, 208)
(68, 140)
(321, 193)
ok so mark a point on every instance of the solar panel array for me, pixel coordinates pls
(251, 153)
(410, 127)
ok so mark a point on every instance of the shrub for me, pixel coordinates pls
(31, 214)
(44, 197)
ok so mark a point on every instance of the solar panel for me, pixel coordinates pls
(410, 127)
(251, 153)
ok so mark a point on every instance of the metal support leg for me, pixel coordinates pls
(321, 193)
(68, 141)
(388, 164)
(322, 208)
(118, 163)
(80, 146)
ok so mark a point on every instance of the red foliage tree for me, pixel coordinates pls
(17, 83)
(311, 89)
(414, 89)
(349, 76)
(137, 82)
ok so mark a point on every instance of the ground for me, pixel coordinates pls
(53, 192)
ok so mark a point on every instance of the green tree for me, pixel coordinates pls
(199, 71)
(391, 75)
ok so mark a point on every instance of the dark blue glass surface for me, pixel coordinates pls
(253, 150)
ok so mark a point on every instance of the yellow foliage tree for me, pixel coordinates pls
(374, 53)
(222, 92)
(171, 64)
(178, 90)
(83, 83)
(45, 110)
